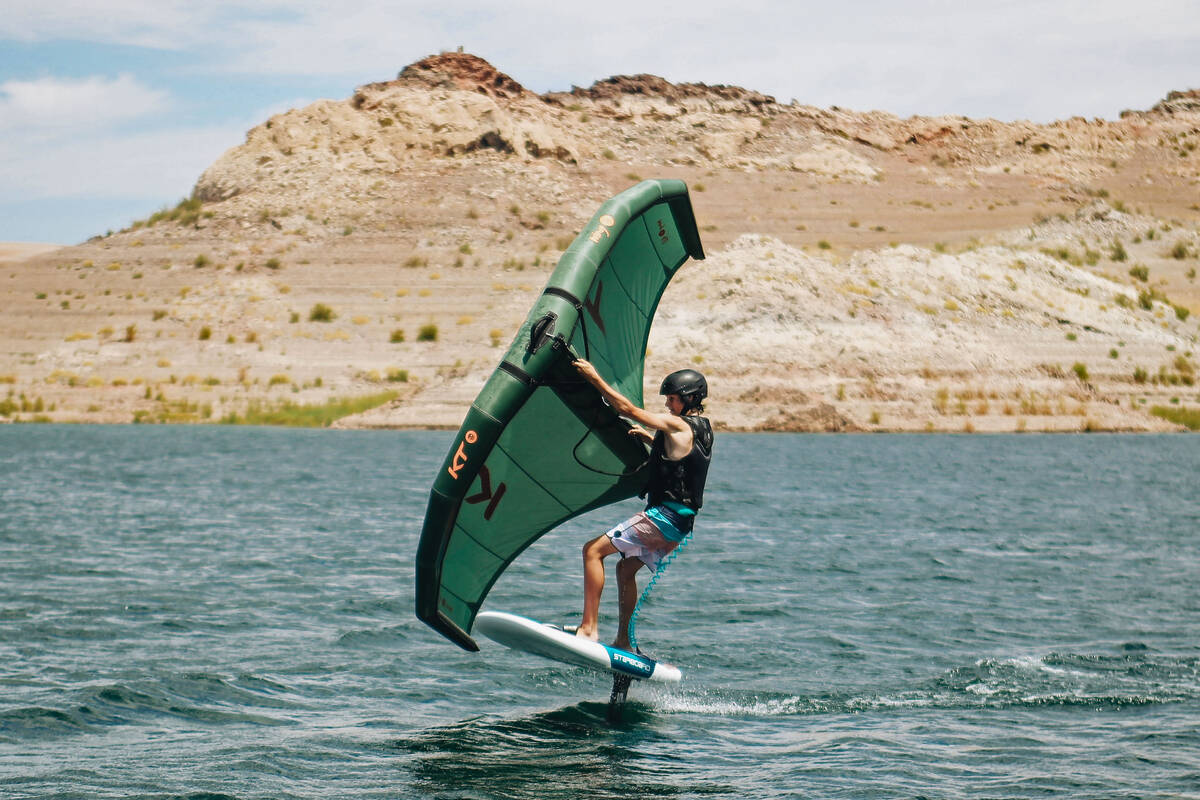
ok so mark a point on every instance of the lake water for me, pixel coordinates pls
(228, 612)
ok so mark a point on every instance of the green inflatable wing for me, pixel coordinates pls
(539, 445)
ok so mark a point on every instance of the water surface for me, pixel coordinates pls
(201, 611)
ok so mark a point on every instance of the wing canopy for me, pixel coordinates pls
(539, 446)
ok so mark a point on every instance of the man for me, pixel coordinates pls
(680, 451)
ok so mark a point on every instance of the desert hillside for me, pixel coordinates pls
(864, 272)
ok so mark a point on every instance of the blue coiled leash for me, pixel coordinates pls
(658, 573)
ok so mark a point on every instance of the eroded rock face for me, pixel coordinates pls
(456, 104)
(441, 106)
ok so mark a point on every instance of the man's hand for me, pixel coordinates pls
(587, 370)
(641, 433)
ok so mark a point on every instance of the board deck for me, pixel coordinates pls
(551, 641)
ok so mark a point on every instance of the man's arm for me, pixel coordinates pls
(668, 423)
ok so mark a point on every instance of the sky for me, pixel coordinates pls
(110, 110)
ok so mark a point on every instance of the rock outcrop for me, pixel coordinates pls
(1186, 102)
(458, 71)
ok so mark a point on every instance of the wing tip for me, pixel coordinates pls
(450, 630)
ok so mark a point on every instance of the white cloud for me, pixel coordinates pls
(165, 163)
(76, 104)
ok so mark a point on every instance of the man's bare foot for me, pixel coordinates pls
(590, 635)
(621, 644)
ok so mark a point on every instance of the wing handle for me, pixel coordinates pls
(541, 331)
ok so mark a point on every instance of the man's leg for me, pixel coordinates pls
(594, 553)
(626, 597)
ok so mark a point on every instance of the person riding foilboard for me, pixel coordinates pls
(680, 453)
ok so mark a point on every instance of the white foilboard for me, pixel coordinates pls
(551, 641)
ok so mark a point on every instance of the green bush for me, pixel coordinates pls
(187, 212)
(321, 313)
(1140, 271)
(1062, 254)
(1080, 369)
(308, 416)
(1188, 417)
(427, 333)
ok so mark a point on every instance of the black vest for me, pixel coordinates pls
(682, 480)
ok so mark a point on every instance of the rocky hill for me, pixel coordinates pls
(865, 272)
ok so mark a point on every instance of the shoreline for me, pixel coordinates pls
(1127, 431)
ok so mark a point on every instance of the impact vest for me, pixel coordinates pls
(682, 480)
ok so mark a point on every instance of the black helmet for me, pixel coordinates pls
(688, 384)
